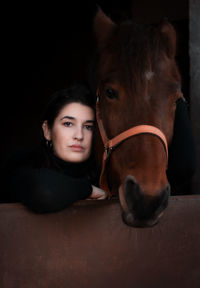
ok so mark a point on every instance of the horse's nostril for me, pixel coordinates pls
(130, 184)
(132, 192)
(130, 180)
(128, 218)
(142, 209)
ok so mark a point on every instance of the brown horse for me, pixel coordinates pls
(138, 84)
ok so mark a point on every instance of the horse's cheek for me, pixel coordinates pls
(118, 172)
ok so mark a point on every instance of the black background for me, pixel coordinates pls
(46, 47)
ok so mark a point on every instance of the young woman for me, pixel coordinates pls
(57, 174)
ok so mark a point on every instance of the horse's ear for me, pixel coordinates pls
(168, 34)
(103, 26)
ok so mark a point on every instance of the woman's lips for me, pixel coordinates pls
(77, 148)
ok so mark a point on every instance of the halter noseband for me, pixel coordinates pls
(110, 144)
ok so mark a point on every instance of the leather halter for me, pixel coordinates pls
(110, 144)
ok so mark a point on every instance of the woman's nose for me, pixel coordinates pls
(78, 134)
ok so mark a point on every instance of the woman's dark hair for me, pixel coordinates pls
(76, 93)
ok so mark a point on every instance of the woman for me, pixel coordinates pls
(59, 173)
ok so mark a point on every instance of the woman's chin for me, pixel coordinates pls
(75, 157)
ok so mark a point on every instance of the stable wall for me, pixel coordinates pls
(88, 246)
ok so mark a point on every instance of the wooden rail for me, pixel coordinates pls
(88, 245)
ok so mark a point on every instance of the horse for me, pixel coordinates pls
(138, 84)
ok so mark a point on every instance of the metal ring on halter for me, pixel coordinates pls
(108, 150)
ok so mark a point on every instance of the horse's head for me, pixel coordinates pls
(138, 84)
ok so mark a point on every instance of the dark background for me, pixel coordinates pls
(47, 47)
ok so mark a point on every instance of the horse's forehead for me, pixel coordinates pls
(127, 61)
(135, 58)
(149, 75)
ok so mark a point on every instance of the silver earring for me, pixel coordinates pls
(49, 143)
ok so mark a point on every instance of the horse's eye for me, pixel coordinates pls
(110, 93)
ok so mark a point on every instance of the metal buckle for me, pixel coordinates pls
(108, 150)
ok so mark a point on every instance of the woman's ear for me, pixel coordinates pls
(46, 130)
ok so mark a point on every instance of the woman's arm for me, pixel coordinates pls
(44, 190)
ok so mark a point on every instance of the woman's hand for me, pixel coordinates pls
(97, 194)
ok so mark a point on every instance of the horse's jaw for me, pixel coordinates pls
(134, 204)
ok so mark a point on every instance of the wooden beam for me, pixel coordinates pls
(88, 245)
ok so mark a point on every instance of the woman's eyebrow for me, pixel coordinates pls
(90, 121)
(68, 117)
(73, 118)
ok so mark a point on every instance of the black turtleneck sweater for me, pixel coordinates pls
(45, 186)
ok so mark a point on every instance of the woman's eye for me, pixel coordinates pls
(111, 93)
(67, 124)
(89, 127)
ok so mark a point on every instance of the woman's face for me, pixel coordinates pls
(72, 132)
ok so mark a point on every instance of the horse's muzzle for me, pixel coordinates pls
(138, 209)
